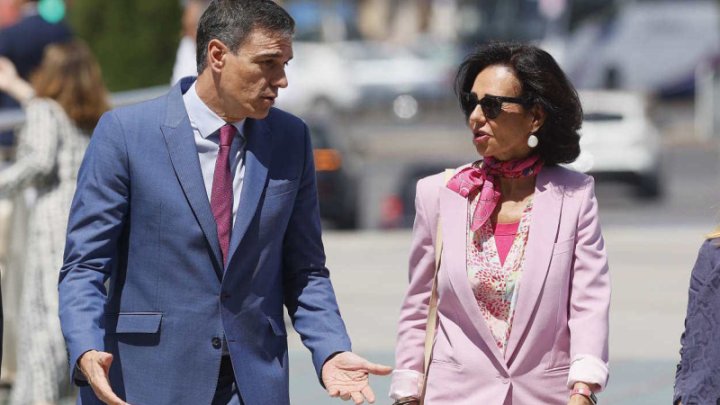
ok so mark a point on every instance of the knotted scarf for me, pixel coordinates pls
(471, 178)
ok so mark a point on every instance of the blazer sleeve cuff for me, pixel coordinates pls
(588, 369)
(405, 383)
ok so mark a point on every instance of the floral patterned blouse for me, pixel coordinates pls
(495, 284)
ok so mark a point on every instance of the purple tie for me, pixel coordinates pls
(221, 200)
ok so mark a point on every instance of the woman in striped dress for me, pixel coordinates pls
(62, 106)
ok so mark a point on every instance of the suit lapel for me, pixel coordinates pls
(453, 214)
(547, 206)
(181, 146)
(257, 161)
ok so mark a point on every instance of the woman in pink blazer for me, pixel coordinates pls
(523, 284)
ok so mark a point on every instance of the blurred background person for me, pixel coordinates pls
(696, 375)
(523, 287)
(185, 60)
(23, 44)
(27, 29)
(9, 12)
(63, 104)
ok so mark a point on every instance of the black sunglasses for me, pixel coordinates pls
(491, 105)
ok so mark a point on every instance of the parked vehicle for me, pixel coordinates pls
(619, 140)
(336, 181)
(320, 82)
(326, 78)
(652, 46)
(390, 74)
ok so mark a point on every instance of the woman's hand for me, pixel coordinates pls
(578, 399)
(13, 84)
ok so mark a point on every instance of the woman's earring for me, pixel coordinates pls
(533, 140)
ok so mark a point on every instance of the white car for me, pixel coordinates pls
(619, 141)
(344, 76)
(652, 46)
(319, 81)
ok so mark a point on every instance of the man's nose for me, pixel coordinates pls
(281, 81)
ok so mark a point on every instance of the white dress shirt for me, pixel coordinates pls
(206, 129)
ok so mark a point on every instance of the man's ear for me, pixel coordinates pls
(539, 116)
(216, 54)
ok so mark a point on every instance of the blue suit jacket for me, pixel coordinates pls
(696, 380)
(142, 219)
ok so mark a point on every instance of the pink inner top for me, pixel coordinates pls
(504, 237)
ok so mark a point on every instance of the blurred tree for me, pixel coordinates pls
(134, 40)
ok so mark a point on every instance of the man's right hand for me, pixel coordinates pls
(95, 366)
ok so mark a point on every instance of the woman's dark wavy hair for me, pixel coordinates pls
(543, 83)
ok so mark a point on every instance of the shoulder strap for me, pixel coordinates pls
(431, 324)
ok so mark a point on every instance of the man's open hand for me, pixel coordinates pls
(345, 375)
(95, 366)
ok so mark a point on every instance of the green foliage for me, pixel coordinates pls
(135, 41)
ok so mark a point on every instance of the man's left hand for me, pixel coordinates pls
(345, 375)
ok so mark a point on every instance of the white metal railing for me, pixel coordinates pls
(10, 119)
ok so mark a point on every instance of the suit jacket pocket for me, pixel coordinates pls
(443, 363)
(561, 369)
(281, 186)
(135, 322)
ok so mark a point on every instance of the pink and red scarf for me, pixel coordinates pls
(471, 178)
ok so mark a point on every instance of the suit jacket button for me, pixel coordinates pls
(216, 343)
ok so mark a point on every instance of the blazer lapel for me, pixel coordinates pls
(547, 206)
(178, 136)
(257, 161)
(453, 214)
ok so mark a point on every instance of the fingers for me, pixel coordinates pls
(377, 369)
(368, 394)
(96, 366)
(103, 391)
(357, 397)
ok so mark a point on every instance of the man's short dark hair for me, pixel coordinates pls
(543, 83)
(231, 21)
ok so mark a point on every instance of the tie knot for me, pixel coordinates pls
(227, 133)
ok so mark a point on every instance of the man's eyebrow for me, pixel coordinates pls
(270, 54)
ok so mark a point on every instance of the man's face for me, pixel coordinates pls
(250, 78)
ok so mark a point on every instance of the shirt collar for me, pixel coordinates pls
(202, 117)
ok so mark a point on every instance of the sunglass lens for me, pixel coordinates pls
(490, 107)
(470, 101)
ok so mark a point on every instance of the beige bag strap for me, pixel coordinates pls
(431, 324)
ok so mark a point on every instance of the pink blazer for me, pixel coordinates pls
(560, 327)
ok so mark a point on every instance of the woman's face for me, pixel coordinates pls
(505, 136)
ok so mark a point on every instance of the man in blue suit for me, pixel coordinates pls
(200, 208)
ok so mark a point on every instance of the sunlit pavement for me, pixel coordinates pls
(639, 382)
